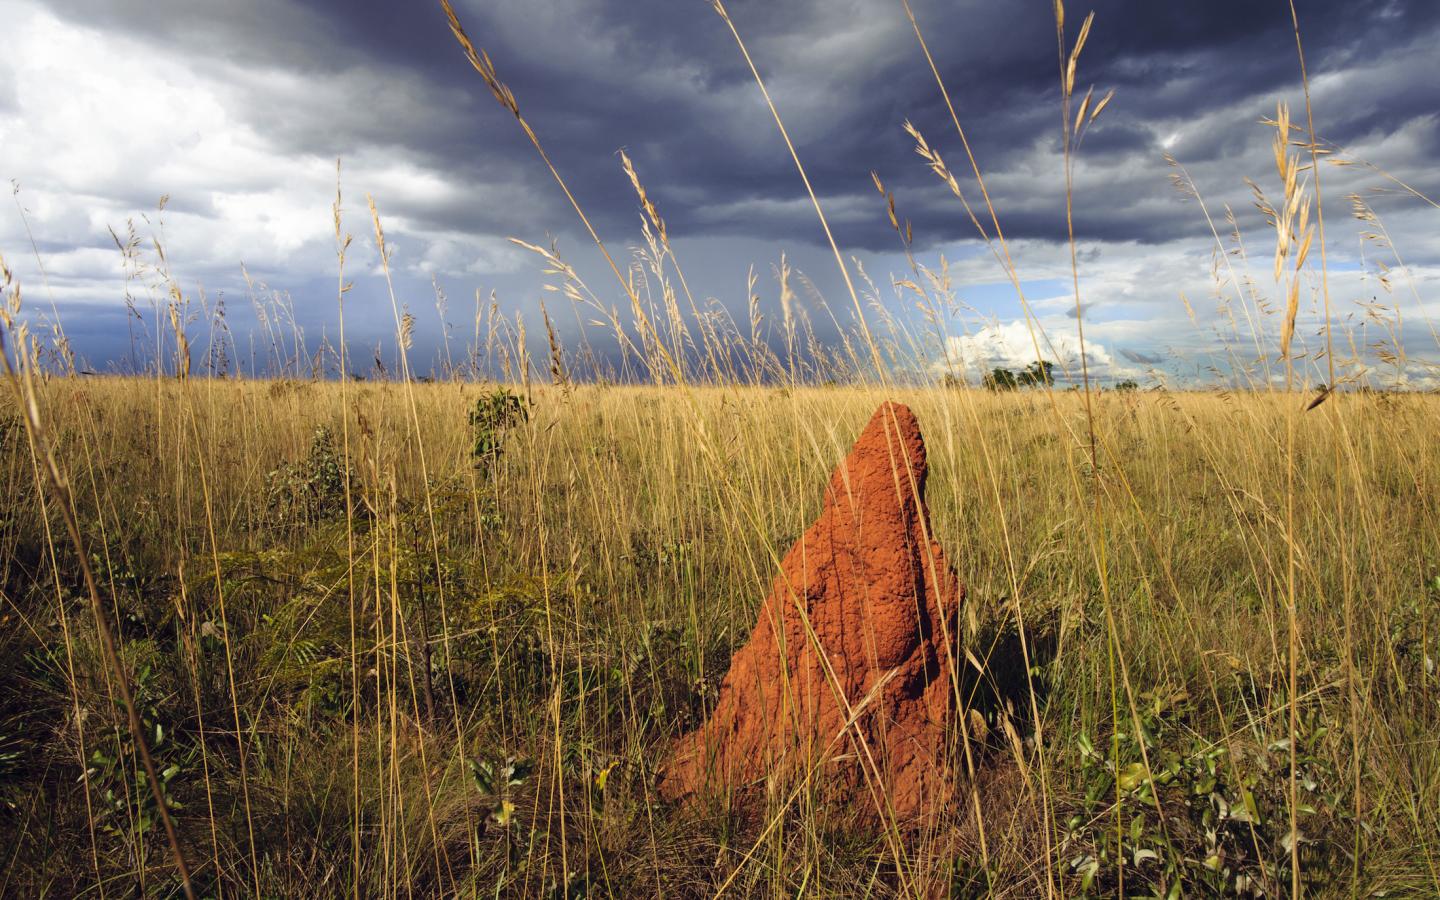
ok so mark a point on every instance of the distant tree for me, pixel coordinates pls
(1038, 373)
(1127, 386)
(1000, 379)
(951, 381)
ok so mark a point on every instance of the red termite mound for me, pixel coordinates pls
(879, 599)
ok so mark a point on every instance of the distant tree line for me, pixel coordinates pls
(1041, 372)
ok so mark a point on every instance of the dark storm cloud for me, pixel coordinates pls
(663, 79)
(1143, 359)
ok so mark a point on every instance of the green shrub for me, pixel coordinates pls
(490, 420)
(311, 489)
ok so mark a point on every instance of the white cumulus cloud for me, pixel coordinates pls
(1014, 345)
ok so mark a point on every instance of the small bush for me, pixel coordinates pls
(311, 489)
(490, 420)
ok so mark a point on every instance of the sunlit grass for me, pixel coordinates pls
(598, 572)
(392, 637)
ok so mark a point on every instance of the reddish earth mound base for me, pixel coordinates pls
(879, 600)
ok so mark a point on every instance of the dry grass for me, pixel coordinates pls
(390, 638)
(597, 578)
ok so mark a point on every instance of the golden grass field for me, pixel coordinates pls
(342, 628)
(397, 637)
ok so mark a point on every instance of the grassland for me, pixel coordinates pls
(380, 645)
(308, 637)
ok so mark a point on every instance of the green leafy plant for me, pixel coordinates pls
(1196, 819)
(496, 779)
(490, 420)
(126, 807)
(312, 488)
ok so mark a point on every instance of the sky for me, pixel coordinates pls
(237, 112)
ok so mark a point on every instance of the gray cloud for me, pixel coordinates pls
(664, 80)
(296, 84)
(1142, 359)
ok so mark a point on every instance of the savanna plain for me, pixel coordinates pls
(436, 638)
(296, 635)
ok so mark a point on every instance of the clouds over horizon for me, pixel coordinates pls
(238, 112)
